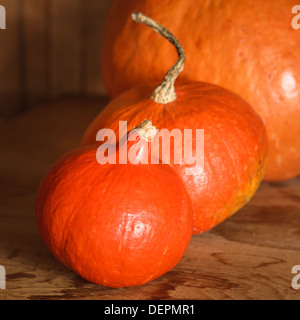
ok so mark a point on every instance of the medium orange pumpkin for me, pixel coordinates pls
(235, 142)
(247, 46)
(117, 225)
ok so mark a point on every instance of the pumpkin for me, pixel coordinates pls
(235, 142)
(117, 225)
(246, 46)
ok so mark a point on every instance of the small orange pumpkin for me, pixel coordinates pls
(246, 46)
(235, 142)
(117, 225)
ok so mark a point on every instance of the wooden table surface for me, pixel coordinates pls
(249, 256)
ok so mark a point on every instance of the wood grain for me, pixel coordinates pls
(66, 49)
(50, 48)
(36, 58)
(11, 86)
(249, 256)
(93, 20)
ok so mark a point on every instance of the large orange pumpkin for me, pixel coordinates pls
(235, 143)
(116, 225)
(247, 46)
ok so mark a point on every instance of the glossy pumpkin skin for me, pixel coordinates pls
(235, 143)
(247, 46)
(114, 225)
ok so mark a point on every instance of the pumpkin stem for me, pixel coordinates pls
(146, 130)
(165, 92)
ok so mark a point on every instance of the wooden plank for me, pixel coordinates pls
(77, 29)
(66, 49)
(50, 48)
(36, 55)
(10, 85)
(249, 256)
(94, 13)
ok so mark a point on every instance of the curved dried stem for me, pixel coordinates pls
(165, 92)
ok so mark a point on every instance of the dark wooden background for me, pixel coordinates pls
(50, 48)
